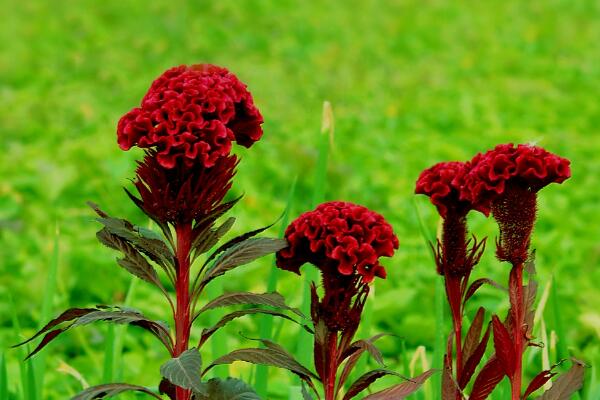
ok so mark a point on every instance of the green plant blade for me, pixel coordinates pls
(304, 350)
(266, 321)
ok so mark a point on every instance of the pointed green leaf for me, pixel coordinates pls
(242, 253)
(184, 371)
(228, 389)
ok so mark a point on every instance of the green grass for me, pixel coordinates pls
(411, 83)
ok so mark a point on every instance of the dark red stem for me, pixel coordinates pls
(516, 282)
(331, 365)
(455, 296)
(182, 289)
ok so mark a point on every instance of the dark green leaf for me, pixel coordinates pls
(228, 389)
(236, 240)
(305, 394)
(208, 332)
(133, 262)
(142, 239)
(205, 240)
(242, 253)
(83, 316)
(273, 299)
(184, 371)
(111, 389)
(273, 355)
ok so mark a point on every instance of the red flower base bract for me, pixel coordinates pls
(192, 114)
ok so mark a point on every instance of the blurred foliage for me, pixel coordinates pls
(411, 83)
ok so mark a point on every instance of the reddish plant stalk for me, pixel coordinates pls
(516, 282)
(331, 365)
(455, 295)
(183, 232)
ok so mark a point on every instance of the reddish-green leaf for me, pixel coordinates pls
(66, 316)
(449, 386)
(208, 332)
(473, 334)
(403, 389)
(479, 283)
(538, 381)
(83, 316)
(365, 381)
(354, 352)
(503, 346)
(474, 360)
(566, 384)
(273, 299)
(490, 375)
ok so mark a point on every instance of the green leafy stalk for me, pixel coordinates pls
(266, 322)
(49, 292)
(109, 354)
(28, 384)
(304, 350)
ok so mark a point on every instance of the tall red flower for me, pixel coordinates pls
(444, 184)
(192, 114)
(344, 241)
(505, 181)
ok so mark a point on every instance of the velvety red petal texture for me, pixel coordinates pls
(443, 184)
(529, 166)
(191, 115)
(339, 237)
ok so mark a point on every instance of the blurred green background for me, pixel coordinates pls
(411, 82)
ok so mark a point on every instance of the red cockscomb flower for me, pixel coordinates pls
(339, 238)
(192, 114)
(530, 167)
(443, 184)
(506, 180)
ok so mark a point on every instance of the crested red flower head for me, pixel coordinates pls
(527, 166)
(192, 114)
(443, 184)
(505, 181)
(339, 238)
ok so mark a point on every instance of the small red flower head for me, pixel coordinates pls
(191, 114)
(529, 167)
(443, 184)
(339, 238)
